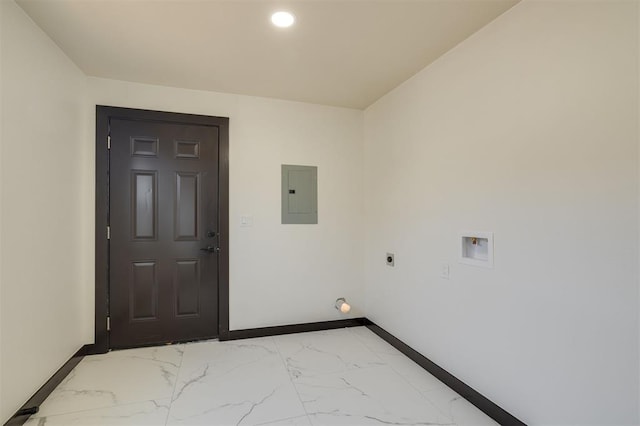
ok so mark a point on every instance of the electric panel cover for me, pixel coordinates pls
(299, 194)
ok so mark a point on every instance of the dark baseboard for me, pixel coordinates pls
(33, 404)
(91, 349)
(467, 392)
(294, 328)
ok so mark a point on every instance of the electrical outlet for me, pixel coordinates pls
(390, 259)
(444, 271)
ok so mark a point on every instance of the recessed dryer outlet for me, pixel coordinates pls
(391, 259)
(476, 248)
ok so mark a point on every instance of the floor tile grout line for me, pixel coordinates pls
(107, 407)
(446, 411)
(384, 364)
(347, 329)
(402, 376)
(359, 339)
(175, 383)
(71, 374)
(103, 407)
(100, 357)
(295, 388)
(396, 372)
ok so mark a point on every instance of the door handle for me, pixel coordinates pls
(210, 249)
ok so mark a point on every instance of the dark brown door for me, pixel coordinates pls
(164, 217)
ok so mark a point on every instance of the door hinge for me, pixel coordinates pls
(109, 142)
(108, 232)
(108, 323)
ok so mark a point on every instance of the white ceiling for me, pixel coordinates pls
(344, 53)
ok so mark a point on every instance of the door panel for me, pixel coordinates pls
(187, 285)
(187, 206)
(143, 291)
(144, 206)
(163, 211)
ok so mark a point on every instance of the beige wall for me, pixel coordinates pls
(43, 112)
(528, 129)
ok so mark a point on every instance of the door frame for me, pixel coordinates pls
(103, 115)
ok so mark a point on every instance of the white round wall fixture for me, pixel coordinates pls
(283, 19)
(342, 305)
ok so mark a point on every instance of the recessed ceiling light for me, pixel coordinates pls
(283, 19)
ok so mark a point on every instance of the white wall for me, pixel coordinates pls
(527, 129)
(42, 128)
(279, 274)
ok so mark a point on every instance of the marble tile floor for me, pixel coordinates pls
(338, 377)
